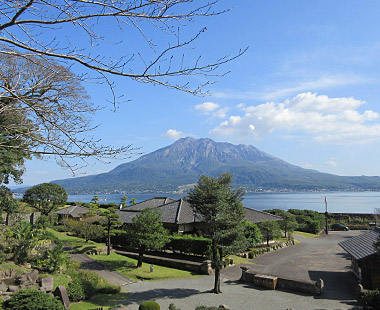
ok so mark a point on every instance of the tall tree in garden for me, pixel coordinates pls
(124, 201)
(112, 221)
(222, 211)
(46, 197)
(270, 230)
(7, 203)
(148, 232)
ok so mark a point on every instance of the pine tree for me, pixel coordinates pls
(222, 211)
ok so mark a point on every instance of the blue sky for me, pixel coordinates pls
(306, 90)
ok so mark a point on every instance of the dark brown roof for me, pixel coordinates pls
(74, 211)
(180, 212)
(150, 203)
(363, 245)
(255, 216)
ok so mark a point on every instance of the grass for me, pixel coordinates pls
(17, 268)
(106, 301)
(78, 245)
(127, 267)
(305, 235)
(240, 260)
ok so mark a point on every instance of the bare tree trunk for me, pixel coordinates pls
(109, 238)
(216, 289)
(140, 258)
(216, 261)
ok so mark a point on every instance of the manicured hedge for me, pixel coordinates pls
(188, 244)
(184, 244)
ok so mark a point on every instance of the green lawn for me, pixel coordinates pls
(240, 260)
(78, 245)
(305, 235)
(103, 300)
(127, 267)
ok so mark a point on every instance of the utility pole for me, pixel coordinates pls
(327, 218)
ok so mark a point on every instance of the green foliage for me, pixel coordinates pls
(207, 308)
(308, 220)
(270, 230)
(112, 221)
(32, 299)
(188, 244)
(52, 258)
(148, 232)
(149, 305)
(86, 284)
(8, 204)
(371, 298)
(173, 307)
(45, 197)
(85, 229)
(95, 199)
(222, 211)
(252, 233)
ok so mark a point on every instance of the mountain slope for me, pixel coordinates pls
(185, 160)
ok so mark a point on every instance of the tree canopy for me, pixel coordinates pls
(148, 232)
(221, 209)
(45, 197)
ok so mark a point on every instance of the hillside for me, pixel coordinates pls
(182, 162)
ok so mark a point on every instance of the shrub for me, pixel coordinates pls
(149, 305)
(75, 290)
(206, 308)
(371, 298)
(173, 307)
(188, 244)
(251, 254)
(32, 299)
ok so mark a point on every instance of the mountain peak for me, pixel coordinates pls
(181, 163)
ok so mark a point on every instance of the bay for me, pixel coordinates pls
(345, 202)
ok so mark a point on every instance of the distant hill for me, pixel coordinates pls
(179, 165)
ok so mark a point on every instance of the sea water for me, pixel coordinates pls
(347, 202)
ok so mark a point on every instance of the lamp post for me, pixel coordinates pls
(327, 218)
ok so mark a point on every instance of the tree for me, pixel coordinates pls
(148, 232)
(252, 233)
(270, 230)
(7, 203)
(288, 223)
(39, 44)
(45, 197)
(111, 223)
(222, 212)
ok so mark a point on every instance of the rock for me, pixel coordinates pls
(68, 277)
(5, 297)
(47, 284)
(61, 292)
(12, 288)
(33, 276)
(3, 287)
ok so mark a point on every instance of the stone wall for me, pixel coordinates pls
(303, 286)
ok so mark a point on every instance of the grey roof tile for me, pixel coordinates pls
(74, 211)
(255, 216)
(361, 246)
(150, 203)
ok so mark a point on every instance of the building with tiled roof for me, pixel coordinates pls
(73, 211)
(149, 203)
(178, 216)
(365, 260)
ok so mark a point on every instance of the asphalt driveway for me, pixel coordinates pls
(311, 259)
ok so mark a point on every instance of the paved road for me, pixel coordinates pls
(312, 259)
(87, 263)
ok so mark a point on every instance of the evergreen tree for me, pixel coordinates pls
(111, 223)
(148, 232)
(222, 211)
(7, 202)
(46, 197)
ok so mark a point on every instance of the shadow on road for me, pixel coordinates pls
(154, 294)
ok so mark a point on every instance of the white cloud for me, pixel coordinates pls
(331, 163)
(281, 91)
(221, 113)
(326, 119)
(207, 107)
(175, 134)
(306, 166)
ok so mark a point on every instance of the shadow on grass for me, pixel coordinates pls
(117, 264)
(110, 299)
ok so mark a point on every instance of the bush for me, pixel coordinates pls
(149, 305)
(206, 308)
(173, 307)
(187, 244)
(86, 284)
(371, 298)
(32, 299)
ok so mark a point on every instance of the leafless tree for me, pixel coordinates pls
(36, 26)
(39, 51)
